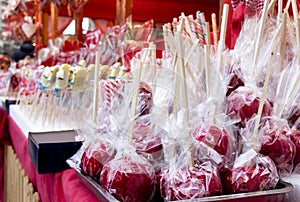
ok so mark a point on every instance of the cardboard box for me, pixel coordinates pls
(49, 151)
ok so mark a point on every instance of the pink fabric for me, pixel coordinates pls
(1, 173)
(4, 139)
(61, 187)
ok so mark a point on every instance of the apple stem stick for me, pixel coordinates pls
(283, 40)
(215, 32)
(207, 70)
(96, 86)
(221, 43)
(266, 84)
(188, 68)
(135, 90)
(280, 7)
(288, 4)
(260, 34)
(271, 6)
(152, 48)
(296, 20)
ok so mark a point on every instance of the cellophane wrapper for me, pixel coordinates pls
(251, 172)
(275, 137)
(129, 177)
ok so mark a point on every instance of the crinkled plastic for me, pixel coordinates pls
(129, 177)
(251, 172)
(97, 153)
(212, 143)
(184, 183)
(147, 139)
(275, 139)
(243, 104)
(295, 137)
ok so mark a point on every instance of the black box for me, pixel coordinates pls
(50, 150)
(8, 103)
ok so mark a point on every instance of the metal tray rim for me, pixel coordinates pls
(288, 187)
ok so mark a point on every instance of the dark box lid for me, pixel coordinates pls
(50, 150)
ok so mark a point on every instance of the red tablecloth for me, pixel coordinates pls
(60, 187)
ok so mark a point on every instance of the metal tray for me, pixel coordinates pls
(274, 195)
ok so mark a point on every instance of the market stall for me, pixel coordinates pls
(187, 112)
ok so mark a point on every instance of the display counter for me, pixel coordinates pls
(62, 186)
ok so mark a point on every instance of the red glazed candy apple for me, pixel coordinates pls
(243, 103)
(190, 183)
(213, 137)
(145, 100)
(294, 116)
(129, 179)
(295, 137)
(234, 83)
(95, 156)
(256, 174)
(277, 144)
(144, 141)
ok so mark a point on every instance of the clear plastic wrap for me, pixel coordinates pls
(129, 177)
(181, 181)
(275, 138)
(147, 138)
(243, 104)
(96, 154)
(251, 172)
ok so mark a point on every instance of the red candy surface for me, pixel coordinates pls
(95, 156)
(145, 100)
(144, 141)
(234, 83)
(243, 104)
(213, 137)
(190, 183)
(277, 144)
(295, 137)
(254, 175)
(128, 179)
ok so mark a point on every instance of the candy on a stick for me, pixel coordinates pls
(129, 178)
(186, 183)
(62, 79)
(221, 43)
(251, 172)
(274, 136)
(95, 156)
(243, 103)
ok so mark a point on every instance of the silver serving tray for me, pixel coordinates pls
(274, 195)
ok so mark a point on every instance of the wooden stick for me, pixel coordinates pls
(296, 19)
(280, 6)
(283, 40)
(260, 33)
(207, 70)
(222, 37)
(207, 37)
(271, 6)
(215, 32)
(96, 87)
(266, 84)
(288, 4)
(135, 89)
(153, 66)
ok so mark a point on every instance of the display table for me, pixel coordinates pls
(63, 186)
